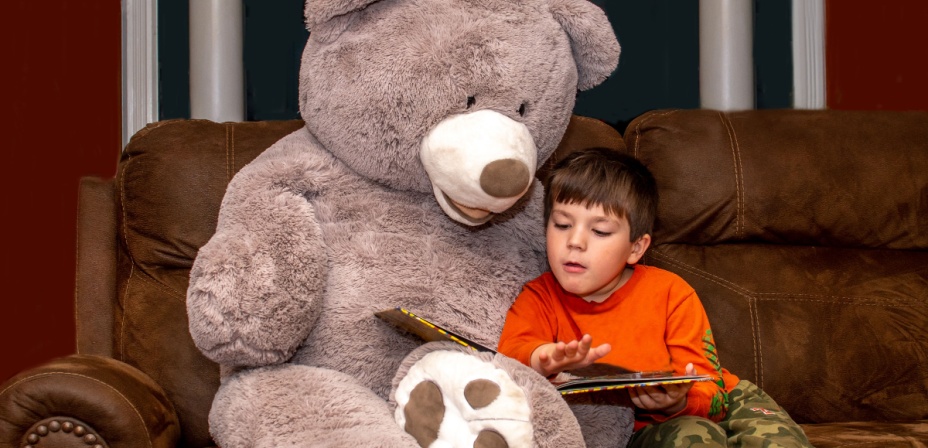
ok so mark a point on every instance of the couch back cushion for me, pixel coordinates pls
(805, 235)
(832, 178)
(169, 184)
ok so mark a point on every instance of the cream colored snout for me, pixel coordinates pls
(479, 164)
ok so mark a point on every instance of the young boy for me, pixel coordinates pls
(599, 208)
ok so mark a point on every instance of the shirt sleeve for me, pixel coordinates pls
(527, 326)
(689, 340)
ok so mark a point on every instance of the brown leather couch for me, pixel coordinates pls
(805, 234)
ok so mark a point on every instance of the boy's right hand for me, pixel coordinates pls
(553, 358)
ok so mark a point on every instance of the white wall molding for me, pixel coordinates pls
(726, 54)
(809, 54)
(139, 65)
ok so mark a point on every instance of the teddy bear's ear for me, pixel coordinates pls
(592, 40)
(320, 11)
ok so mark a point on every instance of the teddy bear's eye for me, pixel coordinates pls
(522, 110)
(471, 101)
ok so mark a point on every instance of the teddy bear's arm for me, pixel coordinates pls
(255, 287)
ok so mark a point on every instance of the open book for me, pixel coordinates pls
(596, 377)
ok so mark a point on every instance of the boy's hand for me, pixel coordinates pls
(553, 358)
(668, 399)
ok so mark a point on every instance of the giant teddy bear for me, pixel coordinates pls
(410, 185)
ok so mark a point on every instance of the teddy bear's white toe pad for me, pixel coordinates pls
(451, 399)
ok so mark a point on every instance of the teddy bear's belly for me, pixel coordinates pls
(461, 277)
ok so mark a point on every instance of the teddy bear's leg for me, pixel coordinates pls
(450, 396)
(299, 406)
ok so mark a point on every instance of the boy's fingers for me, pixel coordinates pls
(690, 370)
(585, 342)
(640, 398)
(650, 392)
(571, 349)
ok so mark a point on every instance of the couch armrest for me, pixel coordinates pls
(95, 277)
(101, 401)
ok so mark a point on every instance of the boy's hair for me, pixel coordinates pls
(618, 182)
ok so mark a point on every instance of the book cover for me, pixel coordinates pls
(429, 332)
(596, 377)
(569, 383)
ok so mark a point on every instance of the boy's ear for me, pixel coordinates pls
(638, 248)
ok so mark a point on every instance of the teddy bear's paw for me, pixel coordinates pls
(235, 295)
(453, 399)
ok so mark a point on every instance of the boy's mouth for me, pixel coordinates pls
(574, 267)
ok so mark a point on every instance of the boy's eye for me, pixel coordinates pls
(601, 233)
(560, 226)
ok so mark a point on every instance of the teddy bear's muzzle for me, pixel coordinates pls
(479, 164)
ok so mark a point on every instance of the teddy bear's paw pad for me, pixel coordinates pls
(490, 439)
(424, 412)
(451, 399)
(480, 393)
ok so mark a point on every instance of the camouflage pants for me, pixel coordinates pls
(753, 420)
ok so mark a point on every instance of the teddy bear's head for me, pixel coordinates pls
(461, 98)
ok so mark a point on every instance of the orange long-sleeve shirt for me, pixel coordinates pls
(654, 321)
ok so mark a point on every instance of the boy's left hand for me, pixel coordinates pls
(668, 399)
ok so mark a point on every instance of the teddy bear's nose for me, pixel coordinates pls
(505, 178)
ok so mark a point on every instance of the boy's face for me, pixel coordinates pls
(588, 249)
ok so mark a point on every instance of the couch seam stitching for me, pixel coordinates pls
(728, 284)
(743, 196)
(232, 143)
(643, 121)
(125, 236)
(758, 348)
(160, 285)
(125, 308)
(791, 297)
(226, 129)
(739, 175)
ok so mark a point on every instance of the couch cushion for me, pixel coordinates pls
(847, 179)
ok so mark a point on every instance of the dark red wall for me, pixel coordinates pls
(61, 120)
(876, 54)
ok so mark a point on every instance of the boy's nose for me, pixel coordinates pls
(576, 241)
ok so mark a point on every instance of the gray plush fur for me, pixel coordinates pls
(339, 219)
